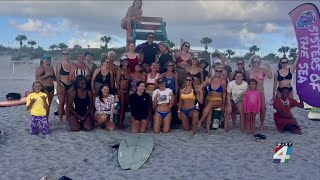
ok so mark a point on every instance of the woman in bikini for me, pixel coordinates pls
(112, 66)
(123, 88)
(63, 82)
(45, 74)
(196, 71)
(165, 56)
(133, 14)
(133, 57)
(258, 73)
(170, 77)
(283, 78)
(162, 101)
(102, 75)
(183, 60)
(187, 111)
(79, 69)
(135, 77)
(216, 97)
(80, 105)
(151, 84)
(104, 108)
(92, 67)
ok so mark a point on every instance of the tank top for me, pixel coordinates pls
(103, 79)
(81, 105)
(132, 63)
(170, 82)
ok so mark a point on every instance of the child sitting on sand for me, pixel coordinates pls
(251, 105)
(283, 118)
(37, 103)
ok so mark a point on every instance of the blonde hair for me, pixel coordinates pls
(253, 57)
(103, 57)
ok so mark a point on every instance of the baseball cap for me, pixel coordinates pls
(160, 81)
(124, 58)
(46, 57)
(88, 53)
(217, 61)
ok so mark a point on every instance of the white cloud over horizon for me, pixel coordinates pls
(230, 24)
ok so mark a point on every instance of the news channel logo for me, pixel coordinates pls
(282, 153)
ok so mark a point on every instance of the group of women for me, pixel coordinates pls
(177, 89)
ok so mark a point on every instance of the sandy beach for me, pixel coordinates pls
(177, 155)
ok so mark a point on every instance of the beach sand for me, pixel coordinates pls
(177, 155)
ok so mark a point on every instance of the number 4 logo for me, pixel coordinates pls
(282, 154)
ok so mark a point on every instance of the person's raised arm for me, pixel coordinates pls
(294, 65)
(268, 71)
(199, 95)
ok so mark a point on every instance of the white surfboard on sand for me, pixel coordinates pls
(134, 151)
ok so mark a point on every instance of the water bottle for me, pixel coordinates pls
(216, 117)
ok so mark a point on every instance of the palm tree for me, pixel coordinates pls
(31, 43)
(88, 46)
(293, 53)
(53, 47)
(230, 52)
(253, 49)
(206, 41)
(21, 38)
(62, 46)
(283, 50)
(77, 47)
(105, 40)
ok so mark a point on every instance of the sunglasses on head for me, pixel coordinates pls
(187, 79)
(286, 62)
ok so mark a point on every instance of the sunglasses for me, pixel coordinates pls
(65, 54)
(240, 63)
(256, 60)
(218, 71)
(170, 65)
(107, 62)
(188, 79)
(150, 37)
(285, 62)
(186, 46)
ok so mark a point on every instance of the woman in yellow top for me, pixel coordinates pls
(37, 103)
(187, 105)
(216, 97)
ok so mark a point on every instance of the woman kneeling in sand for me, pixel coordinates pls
(283, 118)
(104, 105)
(80, 105)
(187, 105)
(163, 100)
(139, 103)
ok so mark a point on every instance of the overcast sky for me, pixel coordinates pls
(231, 24)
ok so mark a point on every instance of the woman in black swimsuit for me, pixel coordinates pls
(123, 88)
(45, 74)
(196, 71)
(102, 75)
(283, 78)
(63, 82)
(80, 105)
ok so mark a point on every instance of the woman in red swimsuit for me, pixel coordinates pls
(258, 73)
(133, 57)
(183, 60)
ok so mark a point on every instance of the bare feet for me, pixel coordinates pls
(200, 123)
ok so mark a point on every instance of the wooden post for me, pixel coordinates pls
(13, 68)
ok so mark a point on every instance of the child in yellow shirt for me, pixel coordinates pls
(37, 103)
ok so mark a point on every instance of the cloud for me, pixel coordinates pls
(230, 25)
(37, 25)
(270, 28)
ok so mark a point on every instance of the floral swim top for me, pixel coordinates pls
(105, 107)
